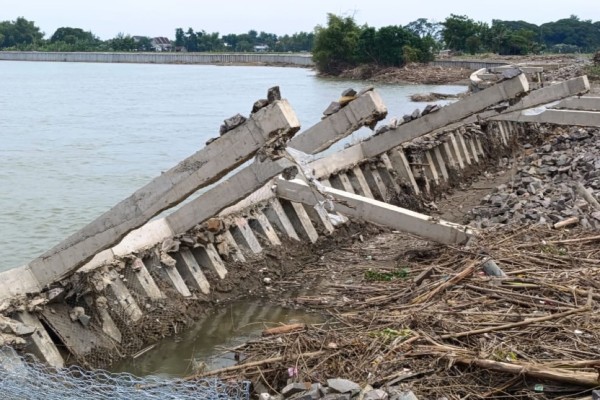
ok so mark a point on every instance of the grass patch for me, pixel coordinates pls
(385, 276)
(593, 72)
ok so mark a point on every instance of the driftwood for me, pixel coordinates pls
(468, 270)
(566, 222)
(520, 323)
(278, 330)
(589, 379)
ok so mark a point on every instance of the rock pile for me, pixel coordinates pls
(556, 184)
(339, 389)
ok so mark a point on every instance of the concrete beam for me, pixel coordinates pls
(277, 216)
(242, 233)
(235, 251)
(209, 257)
(142, 282)
(261, 224)
(199, 170)
(40, 342)
(378, 213)
(359, 182)
(119, 292)
(556, 117)
(300, 220)
(579, 103)
(189, 269)
(366, 109)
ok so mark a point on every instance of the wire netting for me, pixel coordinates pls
(27, 380)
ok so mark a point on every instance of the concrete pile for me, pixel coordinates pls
(556, 184)
(339, 389)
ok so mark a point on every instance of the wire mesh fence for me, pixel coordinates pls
(27, 380)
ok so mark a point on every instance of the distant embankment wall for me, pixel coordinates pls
(161, 58)
(474, 65)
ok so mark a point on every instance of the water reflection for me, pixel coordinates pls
(208, 340)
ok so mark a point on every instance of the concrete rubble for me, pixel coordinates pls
(544, 189)
(338, 389)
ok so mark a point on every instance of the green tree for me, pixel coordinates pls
(19, 34)
(461, 33)
(335, 44)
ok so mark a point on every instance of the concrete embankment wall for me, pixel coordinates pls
(467, 64)
(160, 58)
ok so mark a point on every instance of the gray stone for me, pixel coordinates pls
(349, 93)
(332, 109)
(232, 123)
(365, 90)
(294, 388)
(403, 395)
(75, 313)
(491, 268)
(415, 114)
(273, 94)
(258, 104)
(376, 394)
(343, 385)
(84, 319)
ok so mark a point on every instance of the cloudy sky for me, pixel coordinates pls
(107, 18)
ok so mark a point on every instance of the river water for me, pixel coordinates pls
(76, 138)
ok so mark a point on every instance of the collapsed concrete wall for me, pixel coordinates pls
(171, 266)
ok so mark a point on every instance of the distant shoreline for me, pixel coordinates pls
(274, 59)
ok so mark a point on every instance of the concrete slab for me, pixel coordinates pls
(18, 282)
(366, 109)
(39, 343)
(167, 190)
(379, 213)
(78, 339)
(278, 218)
(446, 115)
(208, 256)
(190, 270)
(243, 183)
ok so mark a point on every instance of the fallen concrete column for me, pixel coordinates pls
(359, 182)
(579, 103)
(300, 220)
(119, 292)
(556, 117)
(377, 212)
(235, 251)
(142, 282)
(261, 224)
(242, 233)
(375, 182)
(209, 257)
(365, 110)
(402, 167)
(274, 122)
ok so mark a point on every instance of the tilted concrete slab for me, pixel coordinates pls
(228, 192)
(199, 170)
(556, 117)
(366, 109)
(377, 212)
(446, 115)
(579, 103)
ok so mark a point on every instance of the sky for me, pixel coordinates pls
(107, 18)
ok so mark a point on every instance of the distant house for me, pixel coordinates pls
(162, 44)
(261, 48)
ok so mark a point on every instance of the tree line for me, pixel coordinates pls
(341, 43)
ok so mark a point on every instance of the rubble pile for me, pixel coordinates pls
(555, 184)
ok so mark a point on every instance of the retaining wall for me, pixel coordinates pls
(304, 60)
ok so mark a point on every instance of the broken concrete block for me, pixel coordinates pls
(344, 100)
(170, 246)
(343, 385)
(332, 109)
(258, 104)
(84, 319)
(231, 123)
(273, 94)
(294, 388)
(10, 326)
(76, 312)
(349, 93)
(214, 225)
(376, 394)
(56, 295)
(167, 260)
